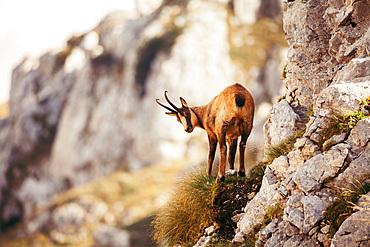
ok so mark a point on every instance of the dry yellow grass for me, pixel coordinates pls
(4, 110)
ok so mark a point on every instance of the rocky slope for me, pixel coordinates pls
(89, 109)
(328, 71)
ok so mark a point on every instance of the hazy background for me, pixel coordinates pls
(30, 28)
(87, 156)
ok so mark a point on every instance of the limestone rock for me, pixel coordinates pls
(289, 229)
(313, 172)
(327, 68)
(308, 56)
(356, 172)
(293, 212)
(342, 97)
(314, 209)
(335, 139)
(280, 167)
(357, 70)
(110, 236)
(360, 135)
(363, 202)
(277, 239)
(256, 209)
(354, 231)
(282, 123)
(266, 232)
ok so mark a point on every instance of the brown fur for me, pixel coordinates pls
(228, 116)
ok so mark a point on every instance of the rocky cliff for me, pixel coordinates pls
(328, 71)
(88, 109)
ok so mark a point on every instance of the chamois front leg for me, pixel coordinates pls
(223, 156)
(212, 141)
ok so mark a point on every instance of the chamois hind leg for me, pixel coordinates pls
(232, 145)
(242, 146)
(211, 154)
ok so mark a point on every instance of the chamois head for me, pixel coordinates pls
(182, 114)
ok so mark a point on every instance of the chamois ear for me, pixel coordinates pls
(183, 103)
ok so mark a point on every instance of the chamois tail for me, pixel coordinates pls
(240, 100)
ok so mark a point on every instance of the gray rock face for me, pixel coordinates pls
(257, 207)
(354, 231)
(327, 68)
(357, 171)
(310, 176)
(342, 97)
(306, 71)
(282, 123)
(328, 36)
(280, 167)
(360, 135)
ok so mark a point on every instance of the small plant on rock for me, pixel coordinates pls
(342, 207)
(340, 123)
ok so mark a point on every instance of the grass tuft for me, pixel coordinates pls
(185, 216)
(343, 205)
(284, 147)
(198, 202)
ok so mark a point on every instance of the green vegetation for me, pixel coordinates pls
(199, 202)
(365, 104)
(284, 147)
(273, 212)
(341, 122)
(342, 207)
(338, 124)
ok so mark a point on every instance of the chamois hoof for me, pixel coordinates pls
(220, 179)
(241, 173)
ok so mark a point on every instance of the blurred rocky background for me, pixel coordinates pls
(87, 155)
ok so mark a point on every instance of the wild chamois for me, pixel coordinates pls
(228, 116)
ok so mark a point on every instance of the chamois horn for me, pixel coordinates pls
(169, 101)
(166, 107)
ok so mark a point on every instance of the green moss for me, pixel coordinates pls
(257, 172)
